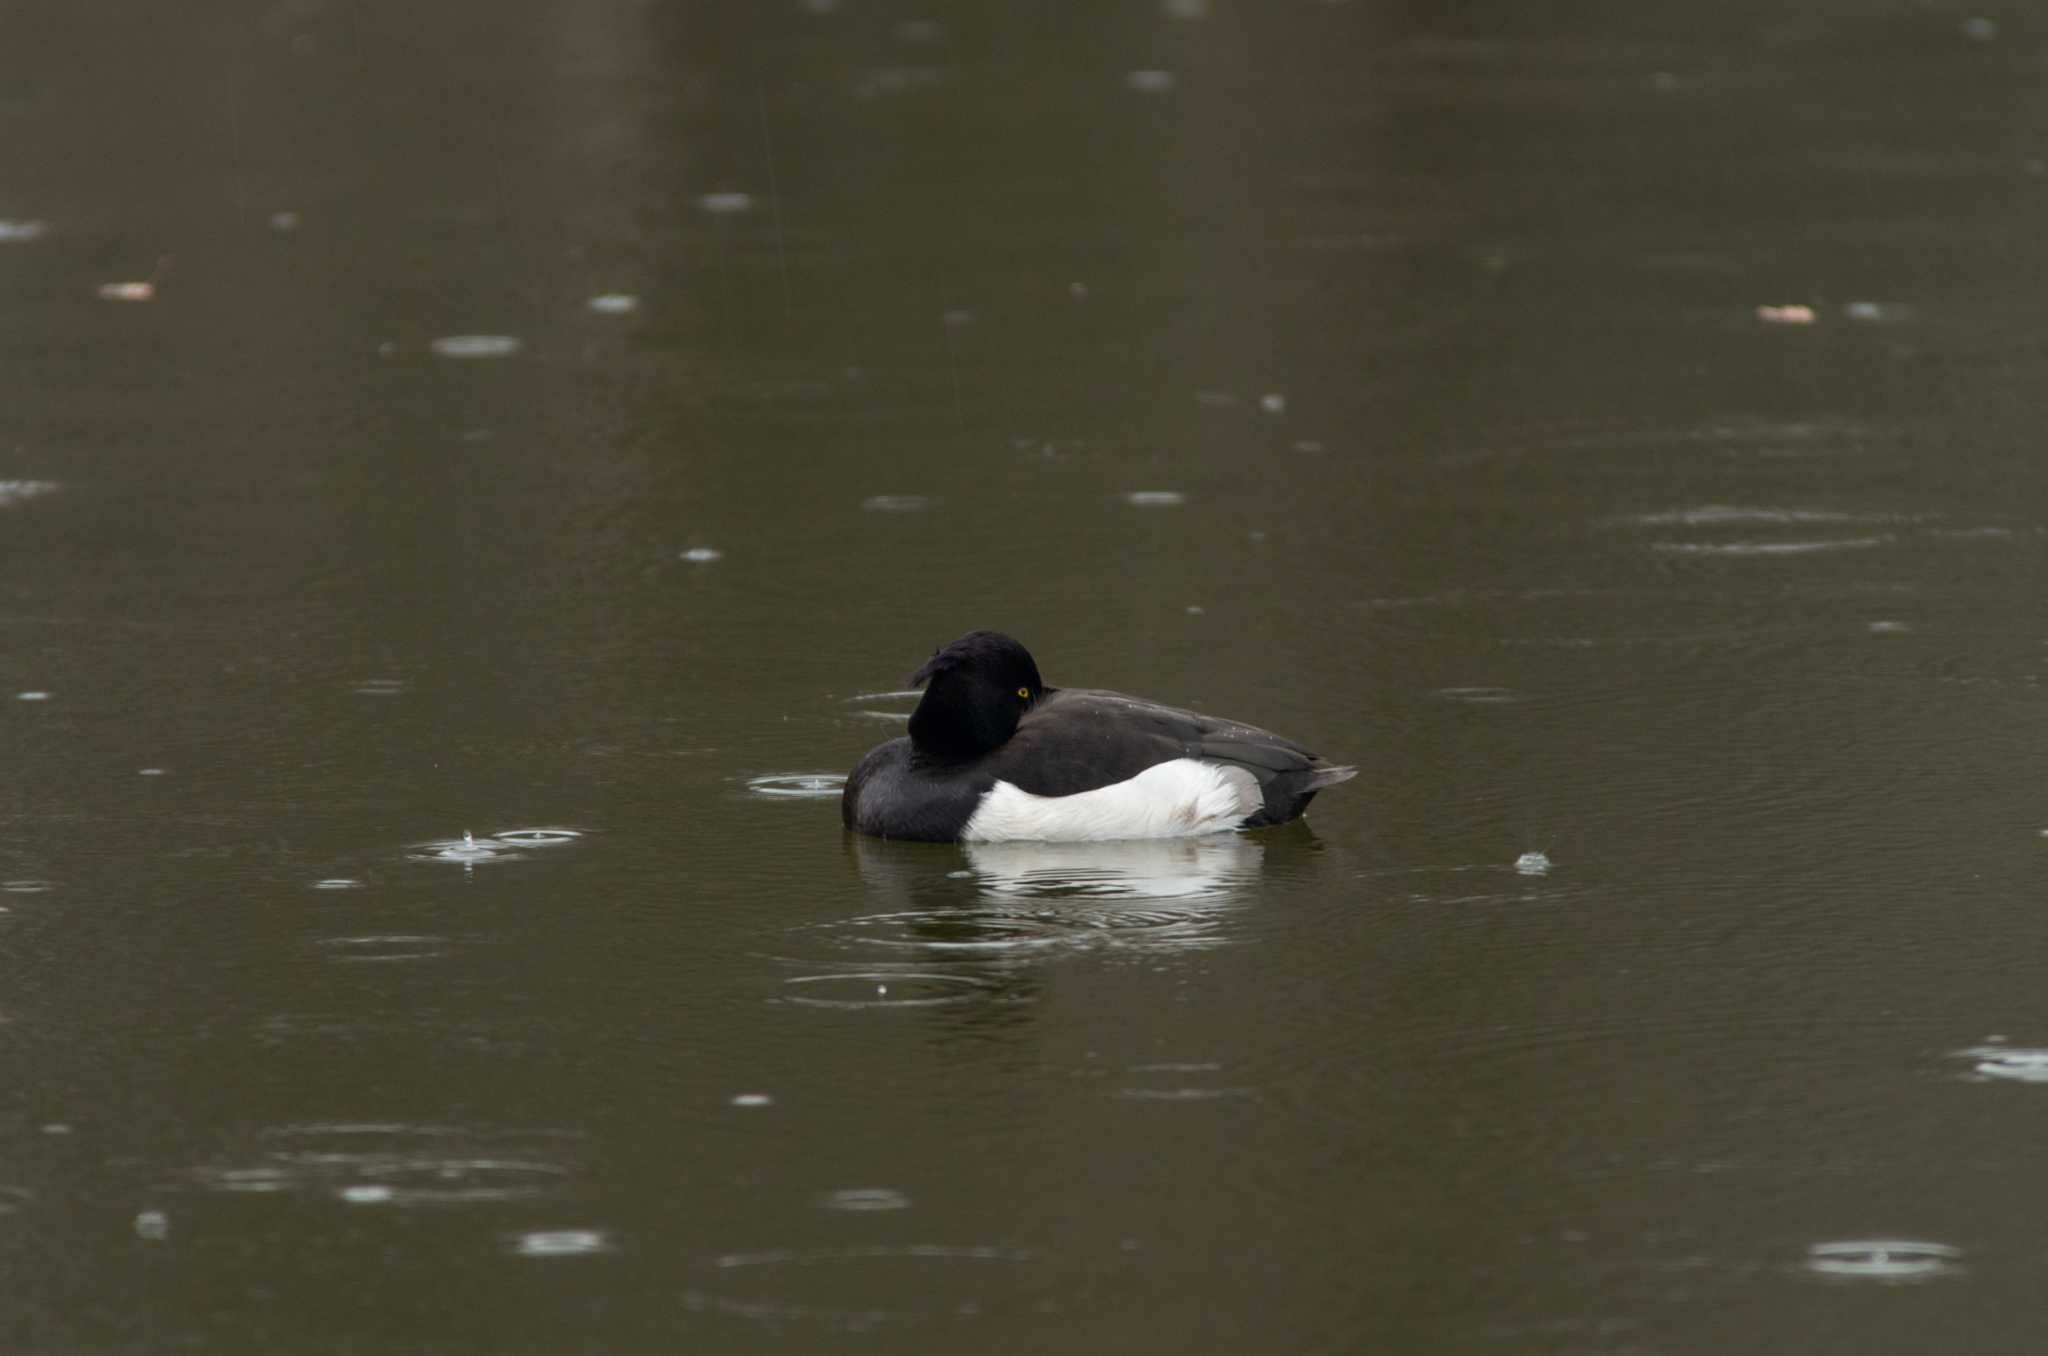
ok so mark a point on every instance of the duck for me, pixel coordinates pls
(995, 754)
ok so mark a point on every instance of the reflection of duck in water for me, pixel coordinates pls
(994, 754)
(1160, 868)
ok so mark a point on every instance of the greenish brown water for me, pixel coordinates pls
(1431, 348)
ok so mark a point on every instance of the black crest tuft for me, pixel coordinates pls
(979, 687)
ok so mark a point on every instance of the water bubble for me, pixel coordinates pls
(1888, 628)
(127, 291)
(798, 785)
(476, 346)
(1273, 403)
(1532, 864)
(860, 1200)
(337, 883)
(614, 303)
(1884, 1259)
(1155, 498)
(561, 1243)
(32, 696)
(21, 232)
(151, 772)
(703, 555)
(1194, 609)
(367, 1193)
(726, 204)
(153, 1225)
(284, 222)
(957, 318)
(752, 1099)
(1150, 81)
(1078, 291)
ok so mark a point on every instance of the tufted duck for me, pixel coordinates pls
(994, 754)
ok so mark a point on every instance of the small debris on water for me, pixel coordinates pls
(1794, 314)
(753, 1099)
(153, 1225)
(614, 303)
(1533, 864)
(703, 555)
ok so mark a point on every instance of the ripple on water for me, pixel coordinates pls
(896, 503)
(1016, 898)
(2007, 1063)
(1814, 546)
(393, 1164)
(26, 886)
(1155, 498)
(560, 1243)
(547, 837)
(860, 1287)
(1884, 1259)
(476, 346)
(798, 785)
(379, 687)
(19, 491)
(884, 989)
(614, 303)
(865, 1200)
(383, 947)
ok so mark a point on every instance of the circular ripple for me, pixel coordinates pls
(798, 785)
(883, 989)
(537, 837)
(896, 503)
(1884, 1259)
(560, 1243)
(863, 1200)
(464, 851)
(857, 1288)
(476, 346)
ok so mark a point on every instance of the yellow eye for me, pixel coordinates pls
(1025, 693)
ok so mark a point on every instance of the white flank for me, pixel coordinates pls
(1176, 799)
